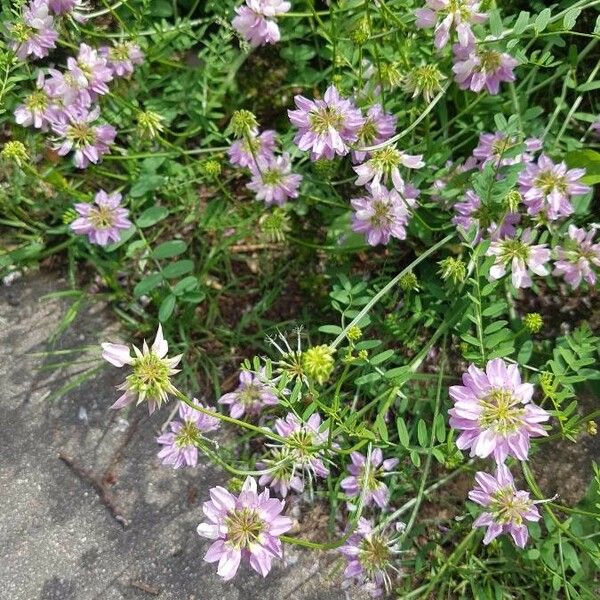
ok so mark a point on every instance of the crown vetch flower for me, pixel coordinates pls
(576, 261)
(522, 255)
(35, 33)
(251, 396)
(273, 181)
(326, 127)
(381, 215)
(456, 15)
(305, 439)
(477, 67)
(493, 146)
(493, 409)
(282, 474)
(102, 220)
(370, 554)
(246, 151)
(470, 212)
(247, 527)
(78, 131)
(548, 187)
(122, 57)
(378, 127)
(180, 444)
(254, 20)
(37, 108)
(68, 90)
(383, 167)
(508, 509)
(94, 68)
(365, 477)
(150, 379)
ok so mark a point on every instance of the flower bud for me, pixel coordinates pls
(16, 152)
(210, 168)
(408, 282)
(425, 81)
(318, 363)
(360, 33)
(243, 123)
(533, 322)
(354, 333)
(453, 268)
(149, 124)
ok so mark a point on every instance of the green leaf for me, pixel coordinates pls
(422, 434)
(170, 249)
(147, 284)
(570, 18)
(381, 357)
(177, 269)
(185, 285)
(125, 237)
(542, 20)
(440, 428)
(415, 458)
(495, 21)
(403, 435)
(332, 329)
(151, 216)
(381, 427)
(521, 22)
(525, 352)
(166, 308)
(145, 184)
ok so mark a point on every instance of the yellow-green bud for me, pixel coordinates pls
(512, 200)
(533, 322)
(318, 363)
(16, 152)
(592, 428)
(390, 75)
(409, 282)
(149, 124)
(453, 268)
(243, 123)
(425, 81)
(210, 168)
(275, 224)
(235, 484)
(547, 384)
(360, 33)
(325, 168)
(354, 333)
(69, 216)
(363, 354)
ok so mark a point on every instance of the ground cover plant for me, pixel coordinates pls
(359, 239)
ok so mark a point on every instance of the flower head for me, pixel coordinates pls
(304, 441)
(384, 167)
(378, 127)
(327, 126)
(493, 409)
(477, 67)
(150, 379)
(507, 509)
(522, 256)
(94, 67)
(381, 215)
(251, 396)
(281, 475)
(547, 188)
(102, 220)
(370, 553)
(365, 477)
(180, 444)
(122, 57)
(470, 212)
(450, 15)
(492, 148)
(36, 109)
(35, 33)
(273, 181)
(79, 131)
(246, 151)
(245, 527)
(255, 22)
(149, 124)
(533, 322)
(578, 258)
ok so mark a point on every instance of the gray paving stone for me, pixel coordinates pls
(60, 539)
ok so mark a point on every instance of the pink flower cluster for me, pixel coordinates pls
(496, 417)
(65, 102)
(255, 20)
(271, 177)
